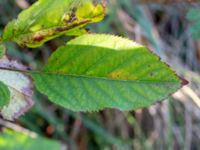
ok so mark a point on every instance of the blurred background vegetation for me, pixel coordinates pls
(173, 124)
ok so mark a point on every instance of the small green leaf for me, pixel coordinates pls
(2, 50)
(48, 19)
(94, 72)
(4, 95)
(11, 140)
(194, 16)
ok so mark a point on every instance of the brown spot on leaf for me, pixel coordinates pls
(65, 28)
(38, 38)
(72, 16)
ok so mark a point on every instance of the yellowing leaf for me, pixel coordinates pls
(48, 19)
(20, 89)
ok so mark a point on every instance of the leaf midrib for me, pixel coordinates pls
(103, 78)
(87, 77)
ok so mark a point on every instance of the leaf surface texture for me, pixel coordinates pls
(93, 72)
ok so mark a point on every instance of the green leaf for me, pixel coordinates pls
(48, 19)
(11, 140)
(4, 95)
(94, 72)
(194, 16)
(2, 50)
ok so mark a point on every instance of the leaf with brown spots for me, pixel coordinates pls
(48, 19)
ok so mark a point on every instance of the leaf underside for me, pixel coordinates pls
(20, 91)
(48, 19)
(93, 72)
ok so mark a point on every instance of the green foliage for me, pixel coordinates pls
(194, 16)
(4, 95)
(94, 72)
(90, 73)
(10, 140)
(62, 17)
(2, 50)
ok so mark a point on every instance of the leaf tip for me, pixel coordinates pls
(183, 81)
